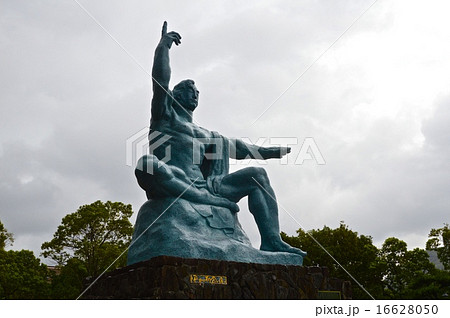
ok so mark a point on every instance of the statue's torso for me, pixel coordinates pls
(186, 146)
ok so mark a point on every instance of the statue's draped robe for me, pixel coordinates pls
(213, 170)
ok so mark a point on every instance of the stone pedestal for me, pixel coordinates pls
(166, 277)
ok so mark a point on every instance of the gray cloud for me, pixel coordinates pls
(70, 97)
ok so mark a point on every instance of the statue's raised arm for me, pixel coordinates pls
(161, 72)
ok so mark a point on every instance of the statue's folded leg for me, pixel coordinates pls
(160, 180)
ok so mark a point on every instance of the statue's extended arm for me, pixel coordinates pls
(242, 150)
(161, 72)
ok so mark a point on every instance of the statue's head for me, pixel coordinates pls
(186, 94)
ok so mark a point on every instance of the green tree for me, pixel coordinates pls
(434, 285)
(440, 242)
(96, 234)
(6, 238)
(354, 252)
(22, 276)
(69, 282)
(392, 255)
(400, 267)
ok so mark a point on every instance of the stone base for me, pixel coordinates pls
(166, 277)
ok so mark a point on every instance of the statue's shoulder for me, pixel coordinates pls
(203, 132)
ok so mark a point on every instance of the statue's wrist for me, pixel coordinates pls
(164, 44)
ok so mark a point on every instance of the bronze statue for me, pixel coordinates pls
(197, 171)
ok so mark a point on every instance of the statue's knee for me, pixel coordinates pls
(147, 164)
(147, 172)
(260, 175)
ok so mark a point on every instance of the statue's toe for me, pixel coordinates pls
(297, 251)
(281, 246)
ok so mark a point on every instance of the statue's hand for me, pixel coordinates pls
(284, 151)
(168, 38)
(228, 204)
(233, 207)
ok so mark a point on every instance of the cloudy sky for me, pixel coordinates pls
(376, 103)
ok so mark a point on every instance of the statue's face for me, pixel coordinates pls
(188, 97)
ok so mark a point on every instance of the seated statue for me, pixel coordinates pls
(192, 198)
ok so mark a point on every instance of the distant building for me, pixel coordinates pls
(54, 269)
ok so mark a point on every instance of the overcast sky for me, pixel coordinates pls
(376, 103)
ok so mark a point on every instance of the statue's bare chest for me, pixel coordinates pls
(186, 137)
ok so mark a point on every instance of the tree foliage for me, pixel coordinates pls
(435, 285)
(22, 276)
(440, 242)
(401, 266)
(96, 234)
(392, 272)
(69, 283)
(354, 252)
(6, 238)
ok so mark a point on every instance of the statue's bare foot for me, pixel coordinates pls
(278, 245)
